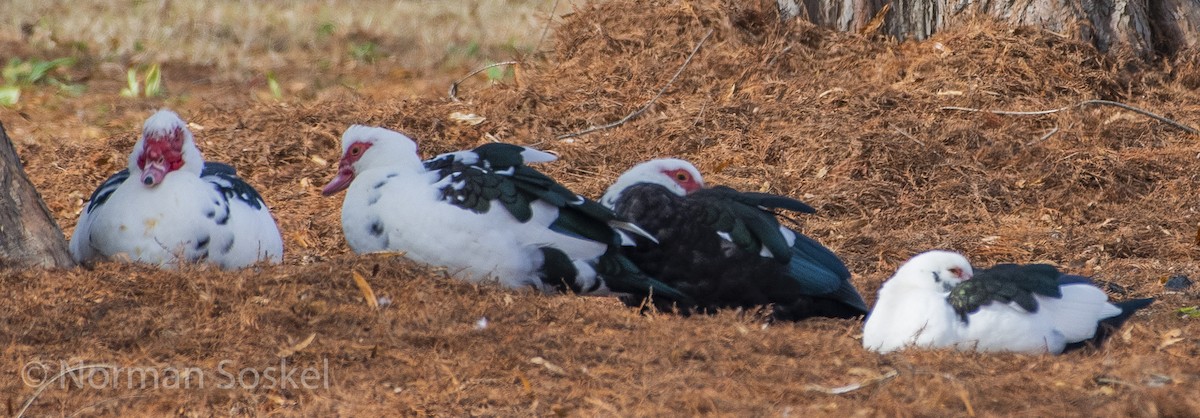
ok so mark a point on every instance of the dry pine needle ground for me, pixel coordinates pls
(851, 124)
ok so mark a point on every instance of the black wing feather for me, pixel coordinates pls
(801, 281)
(106, 189)
(814, 253)
(770, 201)
(496, 171)
(1006, 283)
(225, 180)
(750, 213)
(212, 168)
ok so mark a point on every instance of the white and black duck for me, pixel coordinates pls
(169, 206)
(937, 300)
(482, 214)
(725, 248)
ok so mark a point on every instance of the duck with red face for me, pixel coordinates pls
(170, 206)
(162, 153)
(677, 176)
(345, 173)
(725, 248)
(482, 214)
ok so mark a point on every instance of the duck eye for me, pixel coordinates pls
(681, 176)
(957, 271)
(355, 150)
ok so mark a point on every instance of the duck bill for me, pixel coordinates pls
(153, 173)
(344, 176)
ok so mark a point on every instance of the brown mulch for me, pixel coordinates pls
(851, 124)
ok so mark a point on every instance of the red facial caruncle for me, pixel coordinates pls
(685, 179)
(959, 273)
(345, 173)
(162, 153)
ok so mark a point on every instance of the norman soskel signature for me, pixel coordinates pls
(225, 375)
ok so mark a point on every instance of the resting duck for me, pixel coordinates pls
(170, 206)
(483, 214)
(937, 299)
(725, 248)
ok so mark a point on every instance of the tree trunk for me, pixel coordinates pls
(29, 237)
(1148, 28)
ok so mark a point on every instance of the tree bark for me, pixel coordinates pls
(1149, 28)
(29, 237)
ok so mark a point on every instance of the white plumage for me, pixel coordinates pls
(912, 307)
(928, 304)
(169, 205)
(678, 176)
(462, 211)
(1057, 322)
(393, 203)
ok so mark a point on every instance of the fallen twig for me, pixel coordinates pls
(909, 136)
(1044, 137)
(1143, 112)
(454, 86)
(853, 386)
(546, 29)
(643, 109)
(1047, 135)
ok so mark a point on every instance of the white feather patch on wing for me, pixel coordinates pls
(788, 235)
(464, 157)
(766, 252)
(533, 156)
(445, 181)
(724, 235)
(631, 227)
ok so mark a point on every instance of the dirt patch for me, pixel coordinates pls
(851, 124)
